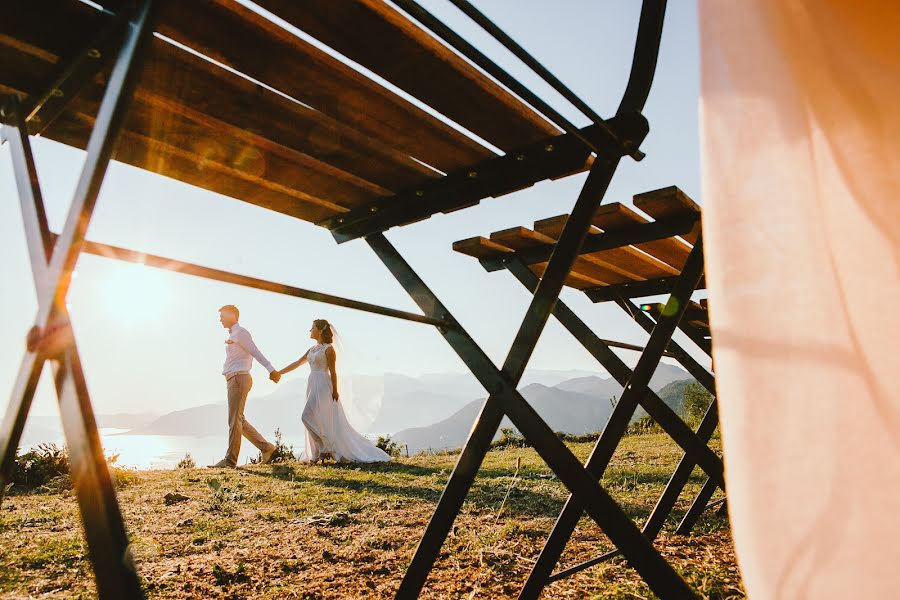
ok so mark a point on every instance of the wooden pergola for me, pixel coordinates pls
(230, 98)
(617, 263)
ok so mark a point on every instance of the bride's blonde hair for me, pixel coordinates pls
(325, 327)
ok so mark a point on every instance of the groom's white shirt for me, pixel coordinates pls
(240, 352)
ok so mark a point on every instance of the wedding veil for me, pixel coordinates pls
(361, 405)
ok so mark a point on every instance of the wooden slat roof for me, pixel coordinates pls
(658, 260)
(376, 36)
(286, 125)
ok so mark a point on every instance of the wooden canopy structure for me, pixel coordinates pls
(603, 270)
(619, 261)
(356, 115)
(285, 125)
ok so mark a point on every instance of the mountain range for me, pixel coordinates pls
(431, 411)
(579, 405)
(404, 402)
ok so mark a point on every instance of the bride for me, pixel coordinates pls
(328, 432)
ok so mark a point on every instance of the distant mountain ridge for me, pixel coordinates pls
(278, 410)
(434, 411)
(405, 402)
(578, 406)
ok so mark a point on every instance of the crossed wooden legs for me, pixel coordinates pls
(51, 339)
(635, 392)
(505, 400)
(704, 431)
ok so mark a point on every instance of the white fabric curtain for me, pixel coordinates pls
(800, 119)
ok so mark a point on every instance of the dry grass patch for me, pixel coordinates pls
(297, 531)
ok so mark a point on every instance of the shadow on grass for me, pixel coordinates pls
(485, 493)
(288, 471)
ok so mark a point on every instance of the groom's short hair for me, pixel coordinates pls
(232, 309)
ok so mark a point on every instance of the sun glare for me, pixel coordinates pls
(135, 293)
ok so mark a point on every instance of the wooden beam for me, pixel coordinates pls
(551, 159)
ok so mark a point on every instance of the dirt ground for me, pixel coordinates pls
(297, 531)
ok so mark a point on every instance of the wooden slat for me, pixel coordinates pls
(628, 261)
(669, 202)
(185, 128)
(189, 131)
(187, 167)
(247, 42)
(60, 27)
(480, 247)
(182, 78)
(373, 34)
(560, 154)
(701, 326)
(584, 273)
(698, 321)
(577, 278)
(178, 77)
(202, 156)
(201, 135)
(24, 66)
(614, 216)
(164, 124)
(224, 30)
(697, 315)
(520, 238)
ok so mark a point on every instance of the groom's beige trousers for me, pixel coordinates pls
(239, 385)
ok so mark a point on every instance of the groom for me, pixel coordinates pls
(239, 354)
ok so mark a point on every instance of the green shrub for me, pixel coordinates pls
(187, 462)
(509, 438)
(224, 577)
(46, 467)
(696, 400)
(582, 438)
(123, 476)
(282, 453)
(39, 466)
(225, 495)
(645, 424)
(388, 445)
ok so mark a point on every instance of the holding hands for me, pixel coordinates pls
(275, 376)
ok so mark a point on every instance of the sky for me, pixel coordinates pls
(150, 340)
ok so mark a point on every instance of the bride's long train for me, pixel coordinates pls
(327, 429)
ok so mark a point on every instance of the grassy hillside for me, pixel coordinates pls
(295, 531)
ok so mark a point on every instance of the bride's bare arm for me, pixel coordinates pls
(331, 356)
(300, 361)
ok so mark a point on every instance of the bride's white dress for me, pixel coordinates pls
(327, 427)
